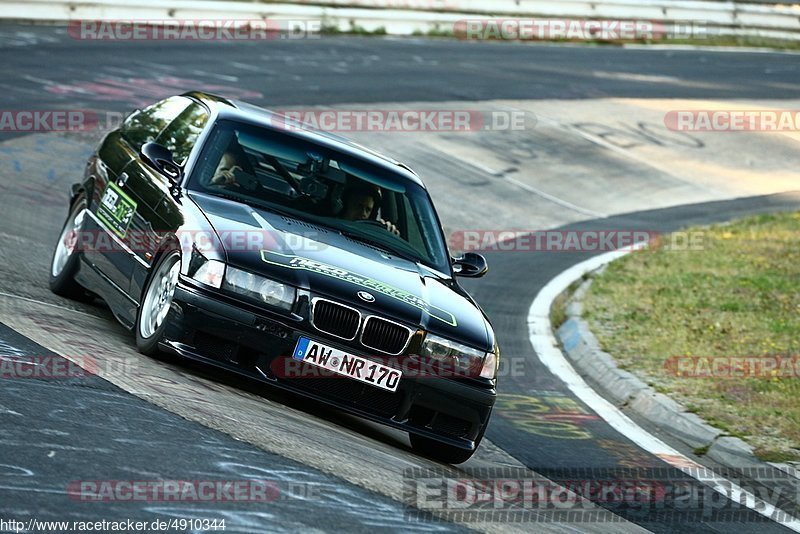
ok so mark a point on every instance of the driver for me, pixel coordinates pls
(359, 204)
(233, 159)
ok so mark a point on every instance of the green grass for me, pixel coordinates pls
(749, 42)
(740, 296)
(558, 310)
(330, 28)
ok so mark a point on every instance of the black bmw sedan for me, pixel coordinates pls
(224, 233)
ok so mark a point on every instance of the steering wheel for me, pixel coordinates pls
(246, 180)
(373, 222)
(386, 225)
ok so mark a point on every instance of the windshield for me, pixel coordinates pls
(300, 179)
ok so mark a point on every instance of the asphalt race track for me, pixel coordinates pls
(595, 155)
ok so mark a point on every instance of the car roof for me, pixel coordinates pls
(251, 114)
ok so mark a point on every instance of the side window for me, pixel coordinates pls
(144, 126)
(182, 133)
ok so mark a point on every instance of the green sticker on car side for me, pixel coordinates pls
(116, 209)
(298, 262)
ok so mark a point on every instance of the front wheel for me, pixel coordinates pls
(158, 293)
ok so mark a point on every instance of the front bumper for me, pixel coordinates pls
(215, 329)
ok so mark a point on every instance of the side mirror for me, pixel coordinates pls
(160, 158)
(470, 265)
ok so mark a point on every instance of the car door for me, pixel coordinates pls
(126, 202)
(153, 188)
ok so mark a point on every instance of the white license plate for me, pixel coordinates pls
(348, 365)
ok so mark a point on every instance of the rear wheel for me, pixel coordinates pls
(64, 264)
(151, 319)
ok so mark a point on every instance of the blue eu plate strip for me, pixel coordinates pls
(301, 349)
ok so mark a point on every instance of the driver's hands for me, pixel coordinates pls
(391, 227)
(226, 177)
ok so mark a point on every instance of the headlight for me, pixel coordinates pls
(491, 363)
(208, 272)
(458, 357)
(259, 288)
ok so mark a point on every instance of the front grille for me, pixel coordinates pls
(335, 319)
(364, 396)
(385, 336)
(216, 347)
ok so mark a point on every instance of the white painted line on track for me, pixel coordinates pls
(556, 200)
(34, 490)
(538, 192)
(547, 350)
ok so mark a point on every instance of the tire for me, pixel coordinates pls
(436, 450)
(64, 263)
(156, 301)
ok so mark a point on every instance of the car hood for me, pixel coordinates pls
(328, 264)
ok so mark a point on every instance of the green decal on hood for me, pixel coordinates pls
(305, 264)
